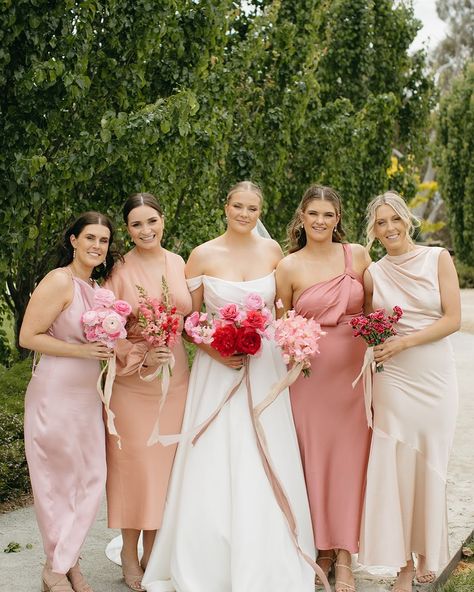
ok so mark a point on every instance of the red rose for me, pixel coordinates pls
(224, 340)
(248, 341)
(254, 320)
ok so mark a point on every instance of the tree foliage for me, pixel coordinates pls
(183, 98)
(457, 47)
(456, 147)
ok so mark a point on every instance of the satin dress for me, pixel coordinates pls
(330, 414)
(64, 439)
(137, 474)
(415, 402)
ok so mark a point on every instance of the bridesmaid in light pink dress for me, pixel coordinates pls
(322, 279)
(414, 400)
(137, 474)
(64, 431)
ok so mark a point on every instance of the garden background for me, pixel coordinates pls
(182, 98)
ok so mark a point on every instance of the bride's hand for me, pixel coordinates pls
(236, 362)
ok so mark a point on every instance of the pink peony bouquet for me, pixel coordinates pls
(105, 322)
(235, 329)
(376, 327)
(158, 319)
(297, 338)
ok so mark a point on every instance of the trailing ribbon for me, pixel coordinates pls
(165, 370)
(277, 488)
(366, 373)
(196, 432)
(105, 395)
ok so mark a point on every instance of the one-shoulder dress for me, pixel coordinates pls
(330, 415)
(64, 439)
(223, 529)
(415, 401)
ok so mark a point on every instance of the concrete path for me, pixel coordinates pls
(20, 572)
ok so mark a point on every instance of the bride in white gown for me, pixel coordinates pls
(223, 529)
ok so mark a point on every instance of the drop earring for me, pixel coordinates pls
(73, 253)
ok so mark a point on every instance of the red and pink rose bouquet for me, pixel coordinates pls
(235, 329)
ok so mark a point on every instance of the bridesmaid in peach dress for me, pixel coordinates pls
(414, 400)
(322, 278)
(64, 431)
(137, 474)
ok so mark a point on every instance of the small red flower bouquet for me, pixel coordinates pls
(376, 327)
(236, 329)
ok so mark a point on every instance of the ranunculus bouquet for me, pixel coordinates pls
(105, 323)
(376, 327)
(235, 329)
(160, 326)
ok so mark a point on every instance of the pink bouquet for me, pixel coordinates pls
(376, 327)
(235, 330)
(158, 319)
(106, 321)
(298, 339)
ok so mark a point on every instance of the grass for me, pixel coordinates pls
(462, 578)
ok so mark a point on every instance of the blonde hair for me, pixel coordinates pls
(245, 186)
(395, 201)
(296, 235)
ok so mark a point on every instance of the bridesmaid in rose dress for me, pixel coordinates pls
(322, 278)
(64, 431)
(137, 474)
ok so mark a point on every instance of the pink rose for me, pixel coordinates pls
(229, 312)
(254, 301)
(103, 297)
(122, 307)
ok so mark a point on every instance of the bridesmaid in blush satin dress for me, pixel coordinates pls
(322, 279)
(64, 430)
(414, 400)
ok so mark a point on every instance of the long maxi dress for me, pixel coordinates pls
(329, 414)
(415, 402)
(223, 530)
(64, 439)
(137, 474)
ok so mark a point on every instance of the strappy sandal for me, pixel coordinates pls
(426, 578)
(341, 586)
(329, 561)
(54, 583)
(398, 588)
(77, 580)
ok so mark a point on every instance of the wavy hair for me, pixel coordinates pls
(395, 201)
(296, 235)
(66, 251)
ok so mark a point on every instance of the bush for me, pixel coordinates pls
(466, 275)
(14, 479)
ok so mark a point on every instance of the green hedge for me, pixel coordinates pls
(466, 275)
(14, 478)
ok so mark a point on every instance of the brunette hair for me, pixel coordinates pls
(140, 199)
(245, 186)
(395, 201)
(66, 250)
(296, 234)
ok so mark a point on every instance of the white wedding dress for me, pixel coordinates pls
(223, 530)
